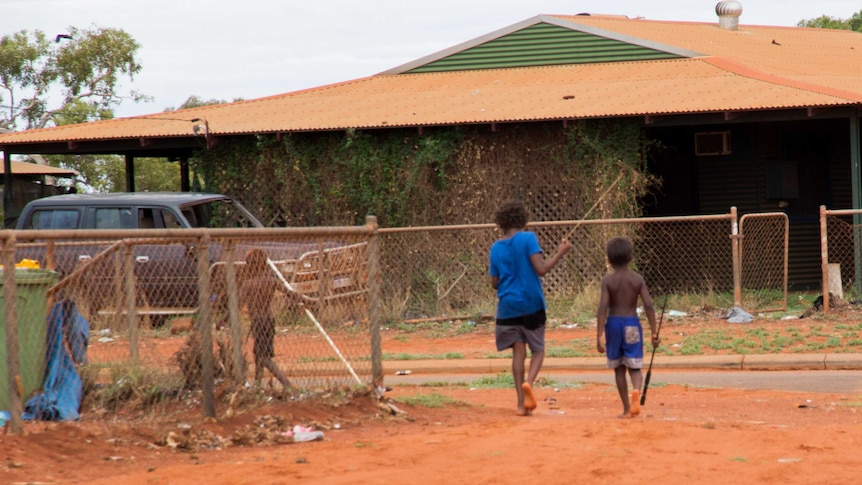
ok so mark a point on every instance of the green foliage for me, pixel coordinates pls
(405, 356)
(432, 400)
(86, 70)
(107, 173)
(827, 22)
(128, 386)
(499, 381)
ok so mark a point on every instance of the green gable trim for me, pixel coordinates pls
(543, 44)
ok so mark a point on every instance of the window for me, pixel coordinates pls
(54, 219)
(112, 218)
(712, 143)
(170, 220)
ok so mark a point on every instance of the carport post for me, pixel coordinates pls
(130, 173)
(8, 208)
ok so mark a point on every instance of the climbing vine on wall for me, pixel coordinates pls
(450, 175)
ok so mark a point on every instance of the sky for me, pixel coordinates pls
(229, 49)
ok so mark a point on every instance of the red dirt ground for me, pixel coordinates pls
(684, 434)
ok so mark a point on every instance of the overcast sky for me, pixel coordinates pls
(228, 49)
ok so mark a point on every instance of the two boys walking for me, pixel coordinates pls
(516, 266)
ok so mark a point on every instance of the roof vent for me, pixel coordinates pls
(728, 14)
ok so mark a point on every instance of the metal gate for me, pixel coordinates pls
(763, 255)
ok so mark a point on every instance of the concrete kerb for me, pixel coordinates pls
(693, 362)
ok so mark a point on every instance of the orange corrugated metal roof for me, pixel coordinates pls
(740, 70)
(23, 168)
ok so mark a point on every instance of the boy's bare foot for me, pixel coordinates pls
(529, 398)
(635, 403)
(524, 412)
(624, 416)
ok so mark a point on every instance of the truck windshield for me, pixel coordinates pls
(220, 213)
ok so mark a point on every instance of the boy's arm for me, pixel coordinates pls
(649, 309)
(601, 317)
(542, 265)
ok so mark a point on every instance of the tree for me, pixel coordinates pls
(84, 67)
(826, 22)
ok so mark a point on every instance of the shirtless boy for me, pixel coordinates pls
(617, 318)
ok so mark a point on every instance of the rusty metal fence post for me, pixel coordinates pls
(824, 259)
(13, 370)
(233, 311)
(204, 325)
(131, 313)
(737, 263)
(374, 298)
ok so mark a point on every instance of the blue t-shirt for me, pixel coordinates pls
(520, 289)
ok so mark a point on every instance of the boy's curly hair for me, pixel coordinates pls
(619, 250)
(511, 215)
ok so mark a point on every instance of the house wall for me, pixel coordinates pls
(791, 167)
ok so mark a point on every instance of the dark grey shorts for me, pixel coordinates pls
(507, 335)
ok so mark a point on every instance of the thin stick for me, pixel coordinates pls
(657, 333)
(311, 317)
(596, 204)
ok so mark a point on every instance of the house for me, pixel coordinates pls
(759, 117)
(33, 181)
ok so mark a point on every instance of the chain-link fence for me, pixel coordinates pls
(300, 309)
(185, 309)
(841, 254)
(442, 271)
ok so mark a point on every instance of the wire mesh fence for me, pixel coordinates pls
(841, 254)
(189, 308)
(442, 271)
(300, 309)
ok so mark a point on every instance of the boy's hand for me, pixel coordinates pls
(600, 347)
(565, 246)
(655, 341)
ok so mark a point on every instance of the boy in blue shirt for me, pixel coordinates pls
(516, 267)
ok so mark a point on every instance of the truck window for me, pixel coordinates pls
(53, 219)
(146, 219)
(112, 218)
(169, 220)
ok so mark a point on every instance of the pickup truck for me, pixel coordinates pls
(166, 273)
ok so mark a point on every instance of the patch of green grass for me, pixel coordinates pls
(562, 352)
(498, 381)
(443, 384)
(432, 400)
(709, 339)
(813, 346)
(739, 459)
(833, 342)
(856, 342)
(406, 356)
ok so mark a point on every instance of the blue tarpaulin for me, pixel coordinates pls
(68, 336)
